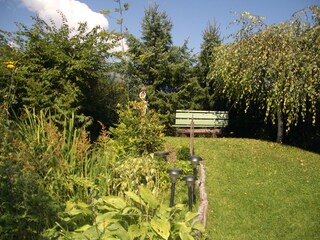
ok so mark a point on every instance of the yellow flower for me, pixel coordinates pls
(10, 64)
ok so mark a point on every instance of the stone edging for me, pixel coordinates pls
(203, 207)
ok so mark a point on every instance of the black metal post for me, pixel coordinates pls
(190, 180)
(173, 185)
(195, 161)
(190, 197)
(174, 175)
(194, 185)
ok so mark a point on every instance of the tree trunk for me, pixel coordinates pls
(280, 126)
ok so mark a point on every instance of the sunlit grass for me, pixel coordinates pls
(259, 190)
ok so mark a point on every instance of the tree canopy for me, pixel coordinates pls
(211, 40)
(275, 66)
(164, 69)
(61, 69)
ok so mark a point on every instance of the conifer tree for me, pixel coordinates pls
(211, 96)
(164, 69)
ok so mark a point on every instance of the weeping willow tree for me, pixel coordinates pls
(277, 67)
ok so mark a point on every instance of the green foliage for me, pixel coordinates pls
(60, 159)
(275, 67)
(136, 134)
(130, 173)
(183, 153)
(142, 216)
(62, 69)
(164, 69)
(42, 167)
(211, 97)
(26, 207)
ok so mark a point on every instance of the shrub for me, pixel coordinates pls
(183, 153)
(26, 208)
(131, 173)
(136, 134)
(141, 216)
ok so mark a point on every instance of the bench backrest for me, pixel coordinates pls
(201, 118)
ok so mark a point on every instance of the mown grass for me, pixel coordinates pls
(259, 190)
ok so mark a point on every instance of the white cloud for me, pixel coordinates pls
(121, 46)
(74, 11)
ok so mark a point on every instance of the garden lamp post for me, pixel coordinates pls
(174, 175)
(195, 161)
(190, 180)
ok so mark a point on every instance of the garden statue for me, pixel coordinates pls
(143, 95)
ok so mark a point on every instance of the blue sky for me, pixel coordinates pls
(189, 17)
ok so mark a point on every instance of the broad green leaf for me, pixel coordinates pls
(198, 226)
(105, 217)
(83, 228)
(92, 233)
(164, 212)
(179, 206)
(70, 205)
(75, 236)
(74, 212)
(105, 208)
(116, 202)
(185, 236)
(148, 197)
(190, 215)
(135, 231)
(184, 228)
(118, 231)
(161, 227)
(134, 197)
(82, 205)
(132, 210)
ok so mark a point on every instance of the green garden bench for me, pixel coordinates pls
(204, 122)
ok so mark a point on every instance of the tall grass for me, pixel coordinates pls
(260, 190)
(64, 160)
(71, 167)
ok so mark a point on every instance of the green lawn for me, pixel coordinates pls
(259, 190)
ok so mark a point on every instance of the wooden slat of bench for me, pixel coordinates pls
(201, 126)
(202, 115)
(200, 111)
(201, 130)
(202, 122)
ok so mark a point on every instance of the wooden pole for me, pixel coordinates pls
(192, 137)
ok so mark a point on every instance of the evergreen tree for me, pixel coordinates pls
(162, 68)
(211, 96)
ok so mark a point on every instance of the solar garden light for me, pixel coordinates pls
(190, 180)
(174, 175)
(195, 161)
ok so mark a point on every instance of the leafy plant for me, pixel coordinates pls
(273, 67)
(131, 173)
(136, 134)
(141, 216)
(183, 153)
(26, 208)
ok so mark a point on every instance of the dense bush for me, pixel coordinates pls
(136, 134)
(141, 216)
(44, 167)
